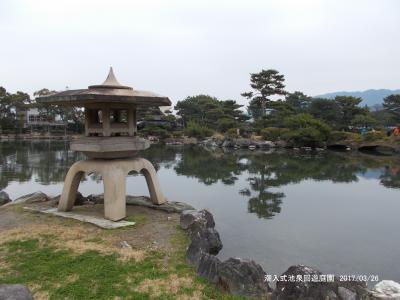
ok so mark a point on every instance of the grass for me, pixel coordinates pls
(55, 272)
(139, 220)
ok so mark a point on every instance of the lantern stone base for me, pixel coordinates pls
(114, 174)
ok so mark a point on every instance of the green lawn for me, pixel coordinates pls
(53, 272)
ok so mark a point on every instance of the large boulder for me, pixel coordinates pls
(14, 292)
(208, 267)
(346, 294)
(243, 278)
(204, 240)
(188, 217)
(4, 198)
(289, 287)
(206, 237)
(387, 289)
(32, 198)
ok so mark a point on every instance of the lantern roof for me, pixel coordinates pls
(110, 91)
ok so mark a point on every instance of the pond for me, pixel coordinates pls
(338, 212)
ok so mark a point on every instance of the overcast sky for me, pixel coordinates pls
(182, 48)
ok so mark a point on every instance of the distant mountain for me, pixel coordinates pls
(370, 97)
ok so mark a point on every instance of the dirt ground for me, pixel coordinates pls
(154, 229)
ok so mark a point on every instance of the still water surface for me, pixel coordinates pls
(338, 212)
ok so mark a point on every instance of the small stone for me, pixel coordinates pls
(125, 245)
(96, 199)
(169, 218)
(4, 198)
(14, 292)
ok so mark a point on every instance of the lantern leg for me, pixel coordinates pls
(114, 174)
(152, 182)
(114, 181)
(70, 189)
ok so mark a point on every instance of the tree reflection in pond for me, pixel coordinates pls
(266, 173)
(47, 162)
(209, 166)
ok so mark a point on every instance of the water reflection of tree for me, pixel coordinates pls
(267, 173)
(209, 167)
(159, 155)
(391, 176)
(46, 162)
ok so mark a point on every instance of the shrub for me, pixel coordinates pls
(231, 133)
(155, 130)
(305, 130)
(271, 133)
(193, 129)
(371, 136)
(177, 133)
(225, 124)
(342, 136)
(339, 135)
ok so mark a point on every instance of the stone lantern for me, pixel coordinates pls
(110, 142)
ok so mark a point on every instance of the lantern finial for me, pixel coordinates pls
(111, 80)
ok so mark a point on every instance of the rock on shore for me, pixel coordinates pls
(239, 277)
(241, 143)
(4, 198)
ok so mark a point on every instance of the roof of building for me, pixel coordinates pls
(110, 91)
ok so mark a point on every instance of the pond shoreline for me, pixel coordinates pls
(379, 146)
